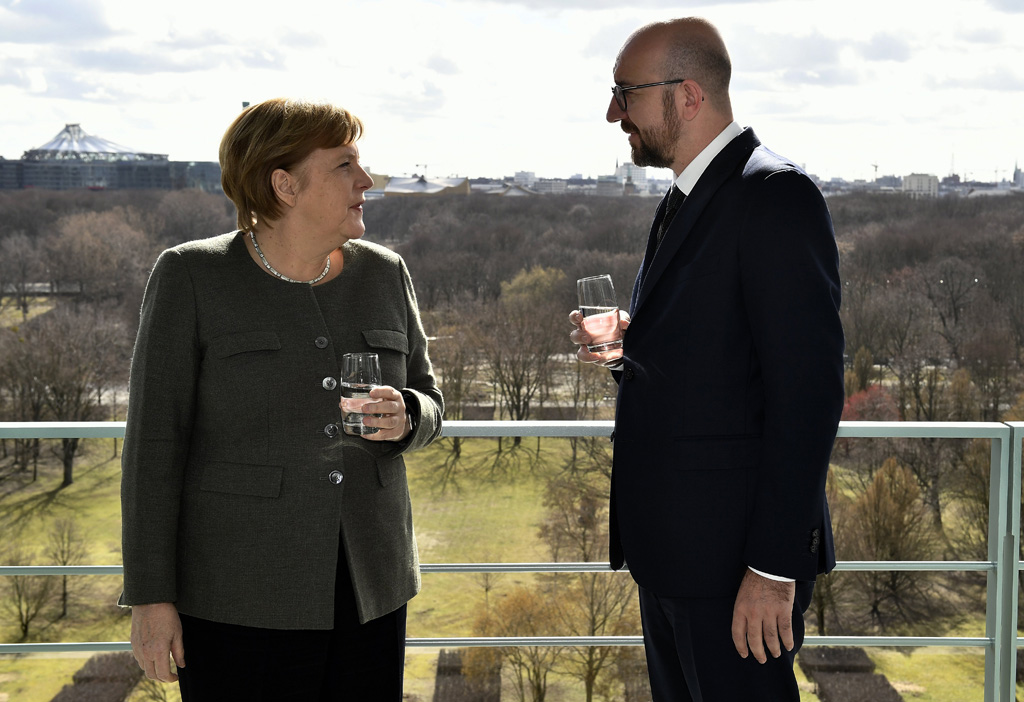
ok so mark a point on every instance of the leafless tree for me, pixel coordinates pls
(71, 359)
(587, 386)
(68, 546)
(24, 596)
(20, 266)
(521, 337)
(104, 255)
(890, 523)
(186, 215)
(524, 612)
(951, 285)
(587, 604)
(454, 352)
(21, 392)
(990, 355)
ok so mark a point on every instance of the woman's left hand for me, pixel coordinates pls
(394, 422)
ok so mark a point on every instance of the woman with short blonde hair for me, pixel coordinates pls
(267, 551)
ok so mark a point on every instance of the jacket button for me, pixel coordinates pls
(331, 430)
(628, 374)
(815, 540)
(330, 383)
(321, 342)
(336, 477)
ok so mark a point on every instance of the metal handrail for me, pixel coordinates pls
(1003, 564)
(539, 567)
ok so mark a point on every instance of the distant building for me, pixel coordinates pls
(525, 178)
(548, 186)
(74, 159)
(921, 185)
(10, 174)
(609, 185)
(637, 175)
(197, 175)
(658, 186)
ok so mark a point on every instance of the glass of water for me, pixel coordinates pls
(360, 373)
(600, 312)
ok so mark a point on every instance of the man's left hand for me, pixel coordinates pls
(763, 614)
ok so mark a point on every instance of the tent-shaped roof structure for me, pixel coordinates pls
(73, 144)
(419, 185)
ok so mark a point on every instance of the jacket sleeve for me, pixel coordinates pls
(420, 375)
(161, 405)
(791, 291)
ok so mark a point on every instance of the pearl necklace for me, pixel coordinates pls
(284, 277)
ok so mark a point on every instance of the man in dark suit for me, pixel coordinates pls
(730, 383)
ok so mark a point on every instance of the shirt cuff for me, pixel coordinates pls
(778, 578)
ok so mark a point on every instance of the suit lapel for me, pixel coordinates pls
(652, 247)
(718, 171)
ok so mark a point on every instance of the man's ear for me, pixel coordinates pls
(285, 186)
(689, 97)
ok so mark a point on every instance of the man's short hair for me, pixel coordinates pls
(694, 49)
(277, 133)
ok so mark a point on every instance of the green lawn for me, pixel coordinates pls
(10, 314)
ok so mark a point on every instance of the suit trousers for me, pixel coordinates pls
(691, 656)
(351, 662)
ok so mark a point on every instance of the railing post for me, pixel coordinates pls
(1003, 540)
(1016, 468)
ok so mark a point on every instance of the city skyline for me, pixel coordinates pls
(485, 89)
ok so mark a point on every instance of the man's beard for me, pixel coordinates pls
(656, 145)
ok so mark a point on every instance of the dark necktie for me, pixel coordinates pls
(675, 199)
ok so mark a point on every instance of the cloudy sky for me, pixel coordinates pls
(489, 87)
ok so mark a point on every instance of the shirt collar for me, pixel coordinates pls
(688, 178)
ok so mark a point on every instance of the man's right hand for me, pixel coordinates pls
(579, 336)
(156, 637)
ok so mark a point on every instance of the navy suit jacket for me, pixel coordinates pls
(732, 385)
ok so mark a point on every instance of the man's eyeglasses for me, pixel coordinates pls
(619, 91)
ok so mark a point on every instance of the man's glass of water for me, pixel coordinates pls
(600, 311)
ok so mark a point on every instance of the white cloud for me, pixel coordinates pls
(490, 87)
(442, 65)
(41, 21)
(886, 47)
(1007, 5)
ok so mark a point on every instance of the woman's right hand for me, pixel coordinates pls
(156, 637)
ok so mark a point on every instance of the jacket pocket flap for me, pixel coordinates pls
(387, 339)
(242, 479)
(719, 452)
(242, 342)
(390, 469)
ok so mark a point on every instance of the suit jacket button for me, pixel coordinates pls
(330, 383)
(331, 430)
(336, 477)
(321, 342)
(628, 374)
(815, 540)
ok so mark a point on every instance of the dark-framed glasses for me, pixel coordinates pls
(619, 91)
